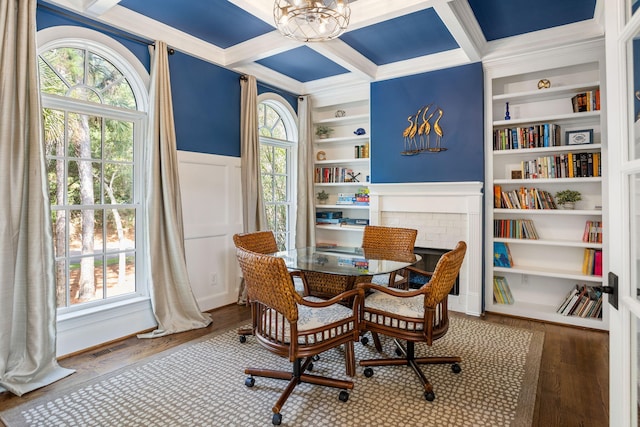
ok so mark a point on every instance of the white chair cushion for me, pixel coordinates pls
(311, 318)
(408, 307)
(383, 279)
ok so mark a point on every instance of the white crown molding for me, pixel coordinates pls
(272, 78)
(340, 93)
(461, 22)
(369, 12)
(544, 39)
(98, 7)
(341, 83)
(260, 47)
(423, 64)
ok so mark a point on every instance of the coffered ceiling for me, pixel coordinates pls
(385, 39)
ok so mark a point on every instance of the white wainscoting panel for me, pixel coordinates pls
(212, 214)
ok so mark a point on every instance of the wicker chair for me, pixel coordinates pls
(264, 242)
(394, 239)
(419, 315)
(294, 327)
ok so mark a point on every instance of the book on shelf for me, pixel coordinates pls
(582, 301)
(502, 255)
(592, 262)
(533, 136)
(514, 229)
(586, 101)
(564, 165)
(501, 291)
(592, 232)
(527, 198)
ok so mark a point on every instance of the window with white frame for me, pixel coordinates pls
(94, 113)
(278, 144)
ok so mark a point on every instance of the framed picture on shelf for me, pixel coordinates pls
(579, 137)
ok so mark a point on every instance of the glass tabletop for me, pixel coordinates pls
(347, 261)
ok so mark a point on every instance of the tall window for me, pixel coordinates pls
(278, 138)
(92, 128)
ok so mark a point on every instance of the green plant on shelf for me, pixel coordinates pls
(568, 198)
(323, 131)
(322, 197)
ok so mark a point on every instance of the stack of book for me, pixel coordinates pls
(583, 301)
(501, 291)
(514, 229)
(535, 136)
(569, 165)
(592, 232)
(524, 198)
(592, 262)
(586, 101)
(360, 198)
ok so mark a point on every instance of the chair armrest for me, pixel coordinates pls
(357, 293)
(419, 271)
(391, 291)
(300, 274)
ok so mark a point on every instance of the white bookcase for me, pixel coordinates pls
(546, 269)
(342, 150)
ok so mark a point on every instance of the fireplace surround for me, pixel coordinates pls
(443, 213)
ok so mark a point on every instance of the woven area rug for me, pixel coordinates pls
(202, 384)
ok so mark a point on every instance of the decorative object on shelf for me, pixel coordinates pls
(321, 155)
(323, 131)
(506, 113)
(579, 137)
(360, 131)
(353, 176)
(340, 113)
(322, 197)
(311, 21)
(423, 143)
(544, 84)
(568, 198)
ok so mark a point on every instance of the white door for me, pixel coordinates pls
(623, 222)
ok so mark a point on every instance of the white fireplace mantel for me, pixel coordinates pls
(443, 213)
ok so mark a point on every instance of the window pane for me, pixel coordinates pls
(58, 223)
(281, 218)
(118, 183)
(85, 234)
(121, 270)
(272, 117)
(280, 188)
(267, 188)
(118, 141)
(83, 188)
(266, 158)
(61, 284)
(85, 136)
(68, 63)
(271, 217)
(50, 82)
(279, 131)
(55, 176)
(53, 132)
(85, 277)
(120, 229)
(84, 93)
(101, 73)
(280, 160)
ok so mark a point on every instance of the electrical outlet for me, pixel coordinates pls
(213, 279)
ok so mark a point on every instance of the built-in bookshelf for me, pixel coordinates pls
(341, 168)
(538, 143)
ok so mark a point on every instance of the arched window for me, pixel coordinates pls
(94, 109)
(278, 147)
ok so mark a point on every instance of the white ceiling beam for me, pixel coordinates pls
(261, 47)
(423, 64)
(459, 19)
(98, 7)
(272, 78)
(344, 55)
(369, 12)
(261, 9)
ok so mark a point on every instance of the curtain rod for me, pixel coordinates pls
(276, 89)
(99, 26)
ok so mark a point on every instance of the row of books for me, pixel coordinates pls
(501, 291)
(583, 301)
(592, 262)
(586, 101)
(569, 165)
(343, 222)
(534, 136)
(360, 198)
(523, 198)
(361, 151)
(333, 174)
(592, 232)
(515, 229)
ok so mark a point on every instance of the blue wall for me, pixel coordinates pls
(459, 92)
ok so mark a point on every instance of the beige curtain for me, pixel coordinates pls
(306, 216)
(174, 305)
(253, 213)
(27, 280)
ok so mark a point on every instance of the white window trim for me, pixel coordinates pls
(80, 329)
(290, 121)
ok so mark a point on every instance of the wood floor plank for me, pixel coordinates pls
(572, 389)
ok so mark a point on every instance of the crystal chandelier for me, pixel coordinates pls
(311, 21)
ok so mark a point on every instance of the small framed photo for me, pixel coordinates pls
(516, 174)
(578, 137)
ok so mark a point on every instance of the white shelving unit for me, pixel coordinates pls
(544, 270)
(340, 151)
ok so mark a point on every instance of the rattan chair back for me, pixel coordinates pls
(391, 238)
(444, 275)
(262, 242)
(269, 282)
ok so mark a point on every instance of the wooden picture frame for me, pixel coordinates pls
(579, 137)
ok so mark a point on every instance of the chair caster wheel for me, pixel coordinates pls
(243, 338)
(343, 396)
(429, 395)
(456, 368)
(310, 367)
(250, 381)
(368, 372)
(315, 358)
(276, 420)
(398, 352)
(364, 340)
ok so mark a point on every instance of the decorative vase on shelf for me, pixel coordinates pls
(568, 206)
(506, 113)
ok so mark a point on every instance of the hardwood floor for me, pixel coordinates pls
(572, 389)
